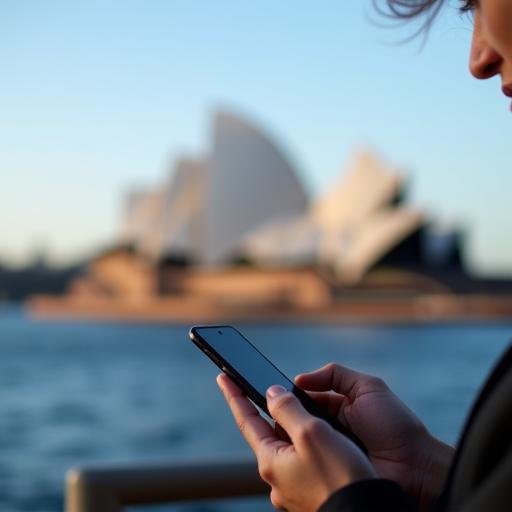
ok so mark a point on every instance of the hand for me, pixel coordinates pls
(399, 445)
(305, 469)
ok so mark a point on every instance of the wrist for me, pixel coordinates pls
(360, 469)
(434, 464)
(356, 468)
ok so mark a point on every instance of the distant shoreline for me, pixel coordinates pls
(420, 309)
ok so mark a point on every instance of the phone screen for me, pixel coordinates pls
(235, 354)
(240, 354)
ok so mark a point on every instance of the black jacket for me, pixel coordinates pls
(480, 479)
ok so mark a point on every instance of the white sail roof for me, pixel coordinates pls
(143, 211)
(182, 229)
(367, 186)
(373, 238)
(287, 241)
(207, 208)
(249, 183)
(353, 226)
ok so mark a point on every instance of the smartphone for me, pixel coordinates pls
(235, 355)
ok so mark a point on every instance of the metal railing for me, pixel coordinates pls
(109, 489)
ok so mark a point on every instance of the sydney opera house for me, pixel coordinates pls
(245, 202)
(235, 234)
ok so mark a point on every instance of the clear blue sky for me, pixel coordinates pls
(96, 97)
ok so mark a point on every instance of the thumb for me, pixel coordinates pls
(332, 377)
(287, 410)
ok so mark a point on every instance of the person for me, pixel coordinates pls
(314, 467)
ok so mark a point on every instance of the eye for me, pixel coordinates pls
(468, 5)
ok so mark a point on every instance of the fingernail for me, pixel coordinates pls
(275, 390)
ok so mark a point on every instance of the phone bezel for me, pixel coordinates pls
(227, 368)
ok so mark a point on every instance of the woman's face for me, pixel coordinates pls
(491, 48)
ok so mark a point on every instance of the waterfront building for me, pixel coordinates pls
(235, 230)
(244, 202)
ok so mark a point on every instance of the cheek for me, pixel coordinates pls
(497, 24)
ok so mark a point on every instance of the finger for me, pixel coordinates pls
(287, 410)
(332, 377)
(256, 431)
(281, 433)
(332, 402)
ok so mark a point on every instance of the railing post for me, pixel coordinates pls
(108, 489)
(84, 493)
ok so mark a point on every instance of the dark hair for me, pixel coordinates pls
(407, 10)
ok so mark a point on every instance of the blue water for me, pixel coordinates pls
(83, 393)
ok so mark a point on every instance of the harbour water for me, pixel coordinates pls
(83, 393)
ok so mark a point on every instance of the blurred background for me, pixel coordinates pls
(292, 168)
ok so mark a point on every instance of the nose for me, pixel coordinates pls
(484, 60)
